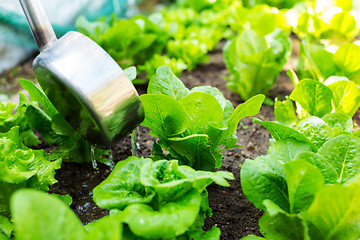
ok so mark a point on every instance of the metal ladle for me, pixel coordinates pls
(84, 83)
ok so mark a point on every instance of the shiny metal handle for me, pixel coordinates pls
(39, 22)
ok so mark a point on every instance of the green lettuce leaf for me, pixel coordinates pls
(123, 186)
(172, 219)
(22, 167)
(284, 112)
(50, 217)
(278, 224)
(313, 97)
(303, 180)
(315, 129)
(343, 152)
(346, 97)
(165, 82)
(335, 213)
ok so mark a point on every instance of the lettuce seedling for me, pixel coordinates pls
(192, 125)
(160, 200)
(254, 61)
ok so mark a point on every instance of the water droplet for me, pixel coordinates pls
(134, 144)
(93, 160)
(111, 159)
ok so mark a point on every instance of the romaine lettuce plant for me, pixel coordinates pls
(313, 98)
(192, 124)
(332, 20)
(319, 62)
(263, 19)
(254, 61)
(159, 200)
(308, 184)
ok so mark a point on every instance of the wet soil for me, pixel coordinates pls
(232, 212)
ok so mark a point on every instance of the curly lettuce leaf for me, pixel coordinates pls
(191, 51)
(171, 181)
(139, 180)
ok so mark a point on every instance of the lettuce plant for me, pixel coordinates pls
(274, 3)
(150, 66)
(263, 19)
(177, 35)
(159, 200)
(12, 115)
(319, 62)
(28, 116)
(313, 98)
(51, 218)
(254, 61)
(308, 184)
(336, 21)
(21, 167)
(132, 45)
(192, 124)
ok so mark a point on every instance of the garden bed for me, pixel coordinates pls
(232, 212)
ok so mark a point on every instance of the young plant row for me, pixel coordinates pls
(308, 183)
(162, 197)
(180, 35)
(256, 56)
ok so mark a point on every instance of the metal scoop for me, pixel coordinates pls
(83, 82)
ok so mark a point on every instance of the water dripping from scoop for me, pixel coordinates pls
(134, 144)
(111, 159)
(93, 160)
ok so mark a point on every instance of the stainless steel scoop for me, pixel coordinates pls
(83, 82)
